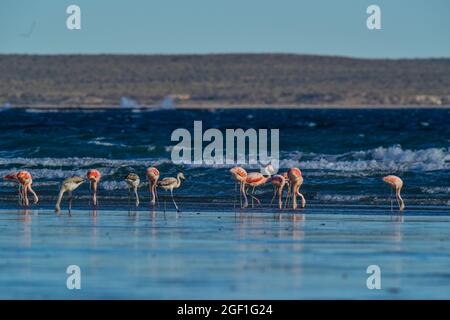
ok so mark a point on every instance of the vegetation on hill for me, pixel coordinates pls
(229, 79)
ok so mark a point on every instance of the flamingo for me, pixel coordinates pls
(133, 181)
(240, 175)
(296, 181)
(93, 176)
(69, 185)
(153, 176)
(278, 182)
(171, 183)
(397, 184)
(256, 179)
(24, 179)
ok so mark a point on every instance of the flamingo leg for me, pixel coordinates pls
(25, 195)
(234, 200)
(294, 197)
(173, 200)
(153, 193)
(280, 197)
(253, 190)
(288, 197)
(243, 193)
(137, 196)
(390, 199)
(20, 189)
(274, 195)
(94, 194)
(156, 194)
(70, 201)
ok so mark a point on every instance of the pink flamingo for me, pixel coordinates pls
(68, 185)
(93, 176)
(171, 183)
(133, 181)
(25, 180)
(256, 179)
(295, 181)
(153, 176)
(240, 175)
(278, 182)
(397, 184)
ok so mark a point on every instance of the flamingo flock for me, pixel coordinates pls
(292, 179)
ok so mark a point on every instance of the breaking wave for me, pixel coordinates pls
(390, 159)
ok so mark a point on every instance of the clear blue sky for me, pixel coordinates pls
(410, 28)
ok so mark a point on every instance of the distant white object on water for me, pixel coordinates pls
(129, 103)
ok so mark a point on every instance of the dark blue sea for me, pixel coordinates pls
(342, 153)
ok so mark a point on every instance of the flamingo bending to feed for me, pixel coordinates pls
(133, 181)
(153, 176)
(256, 179)
(171, 183)
(296, 181)
(69, 185)
(240, 175)
(397, 184)
(24, 179)
(278, 182)
(93, 176)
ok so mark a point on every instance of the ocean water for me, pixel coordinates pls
(343, 153)
(213, 250)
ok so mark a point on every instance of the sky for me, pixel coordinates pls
(409, 28)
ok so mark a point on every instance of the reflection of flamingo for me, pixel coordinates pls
(278, 182)
(24, 179)
(256, 179)
(93, 176)
(153, 176)
(296, 181)
(396, 183)
(69, 184)
(133, 181)
(240, 175)
(171, 183)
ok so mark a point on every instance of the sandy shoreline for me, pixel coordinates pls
(207, 106)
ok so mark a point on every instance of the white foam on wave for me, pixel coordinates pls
(435, 190)
(80, 162)
(100, 142)
(335, 197)
(390, 159)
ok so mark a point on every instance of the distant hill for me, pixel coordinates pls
(216, 80)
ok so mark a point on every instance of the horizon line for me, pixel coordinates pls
(224, 54)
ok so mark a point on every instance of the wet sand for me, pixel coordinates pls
(321, 254)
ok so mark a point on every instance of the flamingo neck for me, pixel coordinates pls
(401, 203)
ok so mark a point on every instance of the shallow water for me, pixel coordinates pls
(208, 255)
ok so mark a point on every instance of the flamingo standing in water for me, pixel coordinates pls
(69, 185)
(256, 179)
(171, 183)
(278, 182)
(93, 176)
(397, 184)
(240, 175)
(24, 179)
(153, 176)
(133, 181)
(296, 181)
